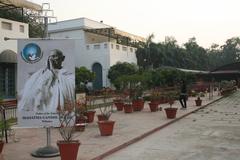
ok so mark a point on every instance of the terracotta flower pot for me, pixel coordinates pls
(102, 117)
(198, 102)
(106, 127)
(138, 105)
(90, 116)
(68, 150)
(153, 106)
(128, 108)
(80, 119)
(119, 105)
(171, 112)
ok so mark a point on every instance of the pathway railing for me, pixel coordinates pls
(8, 114)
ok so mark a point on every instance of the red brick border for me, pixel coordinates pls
(138, 138)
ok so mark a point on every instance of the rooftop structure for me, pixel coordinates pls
(98, 46)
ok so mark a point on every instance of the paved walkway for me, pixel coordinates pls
(128, 129)
(212, 133)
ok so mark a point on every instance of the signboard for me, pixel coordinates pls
(45, 80)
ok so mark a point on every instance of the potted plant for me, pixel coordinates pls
(89, 112)
(81, 119)
(137, 100)
(118, 102)
(170, 111)
(104, 124)
(128, 106)
(153, 105)
(68, 147)
(198, 101)
(105, 108)
(5, 125)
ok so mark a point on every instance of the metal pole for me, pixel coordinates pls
(48, 136)
(48, 150)
(45, 36)
(45, 27)
(5, 124)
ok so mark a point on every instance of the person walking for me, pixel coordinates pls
(183, 95)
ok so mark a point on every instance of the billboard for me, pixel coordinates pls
(45, 80)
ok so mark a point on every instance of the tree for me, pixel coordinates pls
(144, 54)
(214, 56)
(83, 75)
(231, 50)
(120, 69)
(30, 17)
(197, 55)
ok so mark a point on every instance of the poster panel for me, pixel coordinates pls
(45, 80)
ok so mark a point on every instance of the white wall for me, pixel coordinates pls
(73, 34)
(66, 25)
(92, 48)
(74, 24)
(97, 53)
(14, 33)
(122, 55)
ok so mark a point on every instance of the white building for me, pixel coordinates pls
(8, 57)
(98, 46)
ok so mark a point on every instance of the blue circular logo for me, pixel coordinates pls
(31, 53)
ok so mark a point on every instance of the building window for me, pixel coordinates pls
(131, 50)
(124, 48)
(87, 47)
(105, 45)
(117, 47)
(6, 25)
(96, 46)
(21, 28)
(7, 80)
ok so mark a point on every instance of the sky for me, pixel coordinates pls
(209, 21)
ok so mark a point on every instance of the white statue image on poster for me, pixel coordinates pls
(46, 81)
(49, 86)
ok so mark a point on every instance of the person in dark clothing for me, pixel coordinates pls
(86, 90)
(183, 95)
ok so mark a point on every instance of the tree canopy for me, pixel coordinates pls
(83, 75)
(25, 16)
(189, 56)
(120, 69)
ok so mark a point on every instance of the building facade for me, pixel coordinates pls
(8, 57)
(98, 46)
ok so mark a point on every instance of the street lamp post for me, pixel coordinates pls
(48, 150)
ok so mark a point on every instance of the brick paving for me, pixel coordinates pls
(211, 133)
(128, 129)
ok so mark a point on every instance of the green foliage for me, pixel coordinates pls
(83, 75)
(120, 69)
(227, 84)
(135, 84)
(188, 56)
(6, 126)
(35, 27)
(168, 77)
(1, 97)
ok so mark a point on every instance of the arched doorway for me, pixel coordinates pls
(8, 66)
(97, 69)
